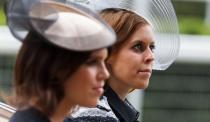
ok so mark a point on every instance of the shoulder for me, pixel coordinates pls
(102, 109)
(28, 115)
(18, 117)
(101, 113)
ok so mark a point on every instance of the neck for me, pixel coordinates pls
(61, 112)
(121, 89)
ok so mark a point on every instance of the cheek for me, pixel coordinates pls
(122, 66)
(126, 66)
(75, 91)
(81, 79)
(75, 86)
(79, 88)
(127, 62)
(72, 88)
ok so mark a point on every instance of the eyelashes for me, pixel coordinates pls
(138, 47)
(141, 47)
(152, 47)
(93, 62)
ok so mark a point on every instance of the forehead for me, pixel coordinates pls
(143, 34)
(99, 53)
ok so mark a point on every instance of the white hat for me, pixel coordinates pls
(67, 26)
(160, 14)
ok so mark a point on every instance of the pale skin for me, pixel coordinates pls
(84, 87)
(131, 65)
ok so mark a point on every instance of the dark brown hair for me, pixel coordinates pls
(123, 22)
(41, 70)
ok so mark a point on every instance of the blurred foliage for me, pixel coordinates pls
(193, 25)
(2, 17)
(191, 16)
(189, 8)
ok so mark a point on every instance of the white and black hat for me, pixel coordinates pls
(160, 14)
(70, 26)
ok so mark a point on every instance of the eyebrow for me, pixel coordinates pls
(140, 41)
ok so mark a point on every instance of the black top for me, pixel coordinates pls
(124, 111)
(29, 115)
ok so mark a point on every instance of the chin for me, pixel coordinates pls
(143, 85)
(92, 103)
(146, 86)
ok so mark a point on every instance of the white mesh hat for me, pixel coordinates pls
(160, 14)
(69, 26)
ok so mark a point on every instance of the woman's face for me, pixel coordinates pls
(85, 86)
(131, 65)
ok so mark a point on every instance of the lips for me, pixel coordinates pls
(99, 89)
(145, 72)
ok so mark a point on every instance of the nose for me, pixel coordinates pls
(104, 73)
(149, 56)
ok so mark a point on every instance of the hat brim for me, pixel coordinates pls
(160, 14)
(67, 26)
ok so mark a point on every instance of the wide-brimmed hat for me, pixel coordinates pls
(69, 26)
(160, 14)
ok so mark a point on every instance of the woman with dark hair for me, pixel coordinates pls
(61, 61)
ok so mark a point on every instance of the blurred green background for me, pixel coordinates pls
(2, 16)
(191, 16)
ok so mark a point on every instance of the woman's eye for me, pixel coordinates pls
(152, 48)
(92, 62)
(138, 47)
(141, 47)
